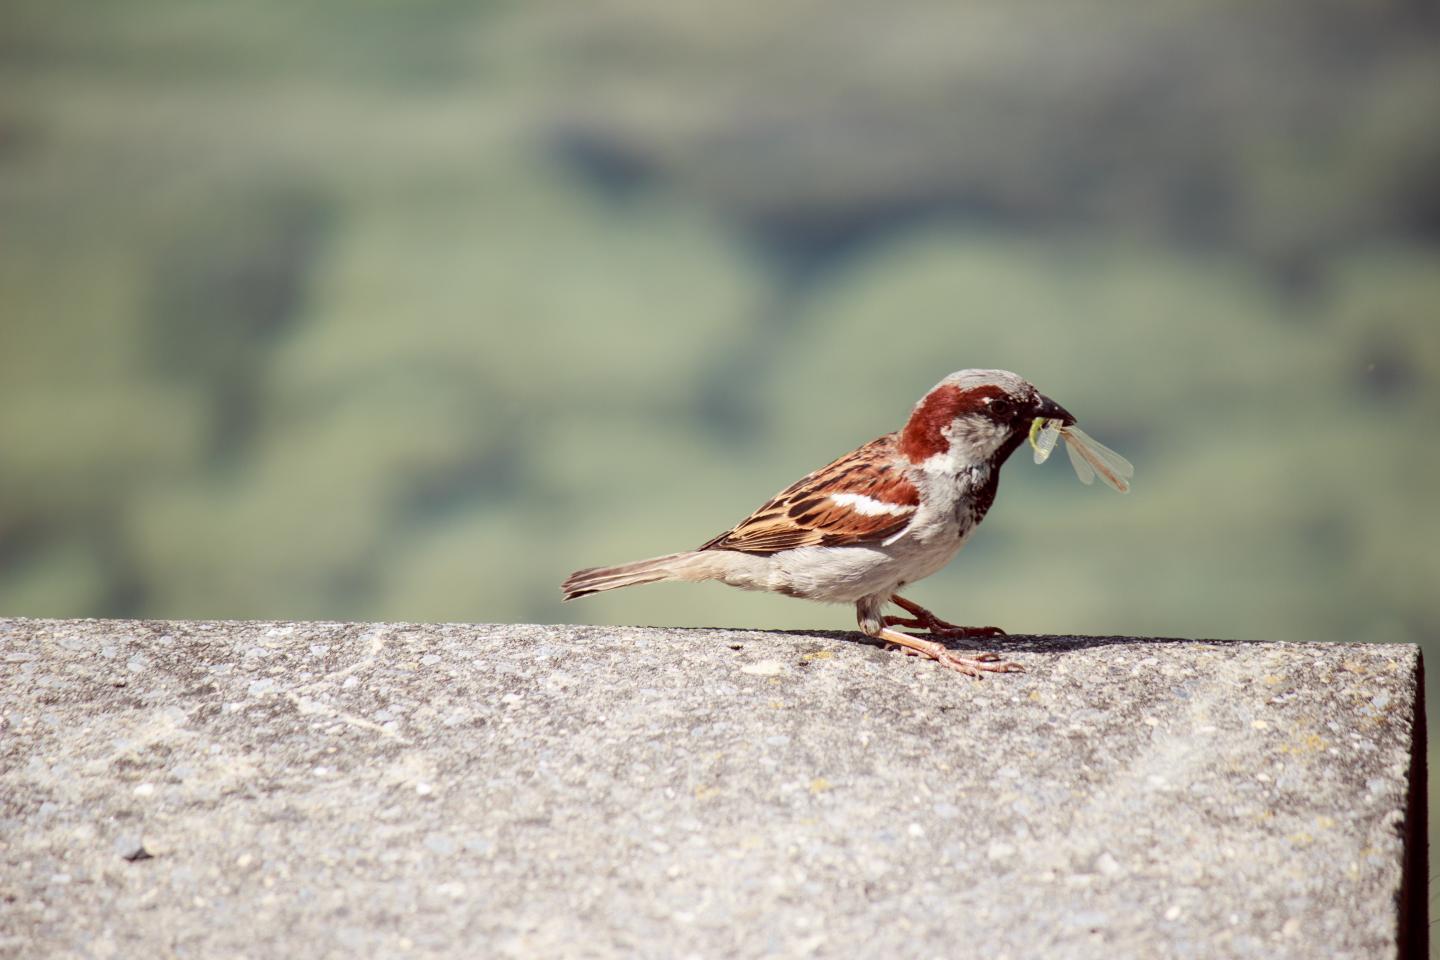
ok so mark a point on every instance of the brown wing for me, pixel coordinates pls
(861, 498)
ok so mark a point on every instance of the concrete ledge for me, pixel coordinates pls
(322, 789)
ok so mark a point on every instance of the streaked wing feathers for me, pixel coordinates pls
(864, 497)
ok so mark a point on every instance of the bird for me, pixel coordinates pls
(882, 517)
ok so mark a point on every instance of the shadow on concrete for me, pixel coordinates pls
(1019, 642)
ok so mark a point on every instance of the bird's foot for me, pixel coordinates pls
(976, 665)
(922, 619)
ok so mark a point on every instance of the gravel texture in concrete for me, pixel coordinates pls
(210, 789)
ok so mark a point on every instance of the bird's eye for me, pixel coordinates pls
(999, 408)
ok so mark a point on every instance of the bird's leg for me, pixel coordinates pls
(922, 619)
(872, 624)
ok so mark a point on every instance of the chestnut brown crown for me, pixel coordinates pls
(992, 404)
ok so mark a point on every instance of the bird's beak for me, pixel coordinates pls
(1050, 410)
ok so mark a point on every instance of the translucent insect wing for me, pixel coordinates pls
(1098, 458)
(1082, 468)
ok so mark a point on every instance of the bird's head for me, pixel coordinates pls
(975, 416)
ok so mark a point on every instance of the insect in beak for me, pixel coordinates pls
(1087, 455)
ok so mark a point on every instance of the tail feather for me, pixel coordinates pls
(674, 566)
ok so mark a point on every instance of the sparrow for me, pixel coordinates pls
(878, 519)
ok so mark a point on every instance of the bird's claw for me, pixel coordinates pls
(974, 656)
(980, 664)
(973, 665)
(922, 619)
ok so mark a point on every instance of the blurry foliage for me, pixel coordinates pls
(379, 310)
(1281, 132)
(225, 288)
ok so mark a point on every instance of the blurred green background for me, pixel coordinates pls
(403, 310)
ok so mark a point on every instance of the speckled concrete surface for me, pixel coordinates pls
(319, 789)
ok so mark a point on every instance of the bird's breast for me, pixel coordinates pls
(952, 503)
